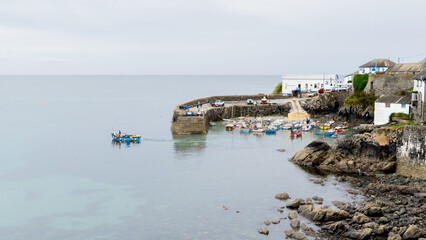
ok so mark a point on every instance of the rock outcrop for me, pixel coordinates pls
(367, 153)
(332, 104)
(323, 104)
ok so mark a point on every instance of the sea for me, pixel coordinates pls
(61, 176)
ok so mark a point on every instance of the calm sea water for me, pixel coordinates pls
(62, 178)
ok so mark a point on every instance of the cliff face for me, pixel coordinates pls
(412, 152)
(367, 153)
(333, 103)
(323, 104)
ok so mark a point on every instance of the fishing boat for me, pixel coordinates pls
(295, 133)
(338, 129)
(245, 130)
(271, 130)
(328, 133)
(230, 126)
(324, 127)
(258, 130)
(308, 127)
(345, 125)
(125, 137)
(325, 134)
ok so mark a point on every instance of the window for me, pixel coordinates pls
(403, 105)
(387, 105)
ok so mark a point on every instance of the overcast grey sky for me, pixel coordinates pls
(206, 36)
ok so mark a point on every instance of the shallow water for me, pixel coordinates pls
(62, 178)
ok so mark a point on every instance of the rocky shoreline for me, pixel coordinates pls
(393, 207)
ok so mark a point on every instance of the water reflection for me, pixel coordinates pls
(189, 144)
(118, 144)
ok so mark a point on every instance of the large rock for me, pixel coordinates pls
(282, 196)
(414, 232)
(296, 235)
(295, 223)
(322, 214)
(360, 218)
(295, 203)
(263, 231)
(292, 215)
(370, 209)
(360, 234)
(340, 225)
(394, 236)
(359, 154)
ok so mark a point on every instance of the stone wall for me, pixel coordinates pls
(412, 152)
(231, 98)
(388, 84)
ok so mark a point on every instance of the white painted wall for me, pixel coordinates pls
(370, 70)
(381, 112)
(308, 82)
(420, 86)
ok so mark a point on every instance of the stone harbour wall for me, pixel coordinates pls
(412, 152)
(185, 125)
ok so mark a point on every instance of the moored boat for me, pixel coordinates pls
(258, 130)
(230, 126)
(271, 130)
(295, 134)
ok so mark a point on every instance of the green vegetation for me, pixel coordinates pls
(360, 99)
(402, 125)
(360, 81)
(401, 93)
(402, 116)
(278, 88)
(403, 119)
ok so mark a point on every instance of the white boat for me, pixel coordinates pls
(286, 126)
(258, 130)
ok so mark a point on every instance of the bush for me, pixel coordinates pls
(360, 81)
(360, 99)
(278, 88)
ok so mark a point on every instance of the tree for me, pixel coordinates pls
(278, 88)
(360, 82)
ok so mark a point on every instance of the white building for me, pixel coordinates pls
(307, 82)
(349, 78)
(388, 104)
(420, 86)
(376, 65)
(419, 97)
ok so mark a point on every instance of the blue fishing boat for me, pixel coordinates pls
(245, 130)
(324, 134)
(271, 131)
(125, 137)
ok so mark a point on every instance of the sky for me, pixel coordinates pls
(212, 37)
